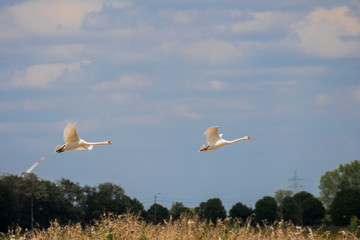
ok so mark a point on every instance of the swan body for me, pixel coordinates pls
(73, 142)
(214, 139)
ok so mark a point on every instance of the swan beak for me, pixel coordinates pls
(109, 142)
(250, 138)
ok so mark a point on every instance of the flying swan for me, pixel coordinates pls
(214, 140)
(72, 140)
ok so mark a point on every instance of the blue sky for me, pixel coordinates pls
(152, 76)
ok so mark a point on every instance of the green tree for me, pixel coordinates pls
(303, 209)
(75, 195)
(8, 204)
(291, 210)
(178, 208)
(212, 209)
(345, 205)
(157, 213)
(106, 197)
(266, 209)
(240, 211)
(280, 195)
(345, 176)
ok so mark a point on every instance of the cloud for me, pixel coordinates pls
(357, 93)
(212, 85)
(329, 33)
(181, 18)
(262, 21)
(126, 82)
(25, 105)
(283, 86)
(40, 76)
(117, 4)
(66, 51)
(211, 50)
(186, 112)
(44, 18)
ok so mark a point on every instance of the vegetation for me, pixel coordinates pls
(345, 176)
(129, 226)
(27, 201)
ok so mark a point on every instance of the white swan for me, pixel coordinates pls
(214, 140)
(72, 141)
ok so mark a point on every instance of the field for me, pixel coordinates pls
(128, 226)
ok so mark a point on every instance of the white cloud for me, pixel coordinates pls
(211, 51)
(357, 93)
(211, 85)
(329, 33)
(40, 76)
(67, 51)
(182, 18)
(185, 111)
(283, 86)
(44, 18)
(27, 105)
(126, 82)
(263, 21)
(117, 4)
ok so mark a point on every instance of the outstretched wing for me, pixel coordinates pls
(212, 135)
(70, 134)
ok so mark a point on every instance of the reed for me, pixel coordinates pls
(129, 226)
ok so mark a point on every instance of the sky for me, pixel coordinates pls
(152, 76)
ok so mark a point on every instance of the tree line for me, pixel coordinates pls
(32, 202)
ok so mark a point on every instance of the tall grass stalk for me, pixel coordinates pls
(128, 226)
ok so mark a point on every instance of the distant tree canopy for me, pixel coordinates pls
(157, 214)
(266, 209)
(280, 195)
(28, 201)
(24, 198)
(211, 210)
(345, 176)
(345, 205)
(178, 208)
(240, 211)
(303, 209)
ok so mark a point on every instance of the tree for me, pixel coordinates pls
(177, 208)
(8, 205)
(240, 211)
(106, 197)
(73, 193)
(211, 210)
(345, 176)
(157, 213)
(303, 209)
(345, 205)
(266, 209)
(280, 195)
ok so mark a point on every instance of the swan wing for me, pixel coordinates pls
(81, 148)
(212, 135)
(70, 134)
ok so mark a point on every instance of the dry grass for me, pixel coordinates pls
(188, 227)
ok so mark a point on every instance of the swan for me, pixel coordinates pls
(72, 141)
(214, 140)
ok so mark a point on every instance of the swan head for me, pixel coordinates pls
(248, 138)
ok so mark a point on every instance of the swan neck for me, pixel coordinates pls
(239, 139)
(97, 143)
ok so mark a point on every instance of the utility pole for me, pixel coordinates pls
(296, 185)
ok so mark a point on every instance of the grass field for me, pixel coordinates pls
(187, 227)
